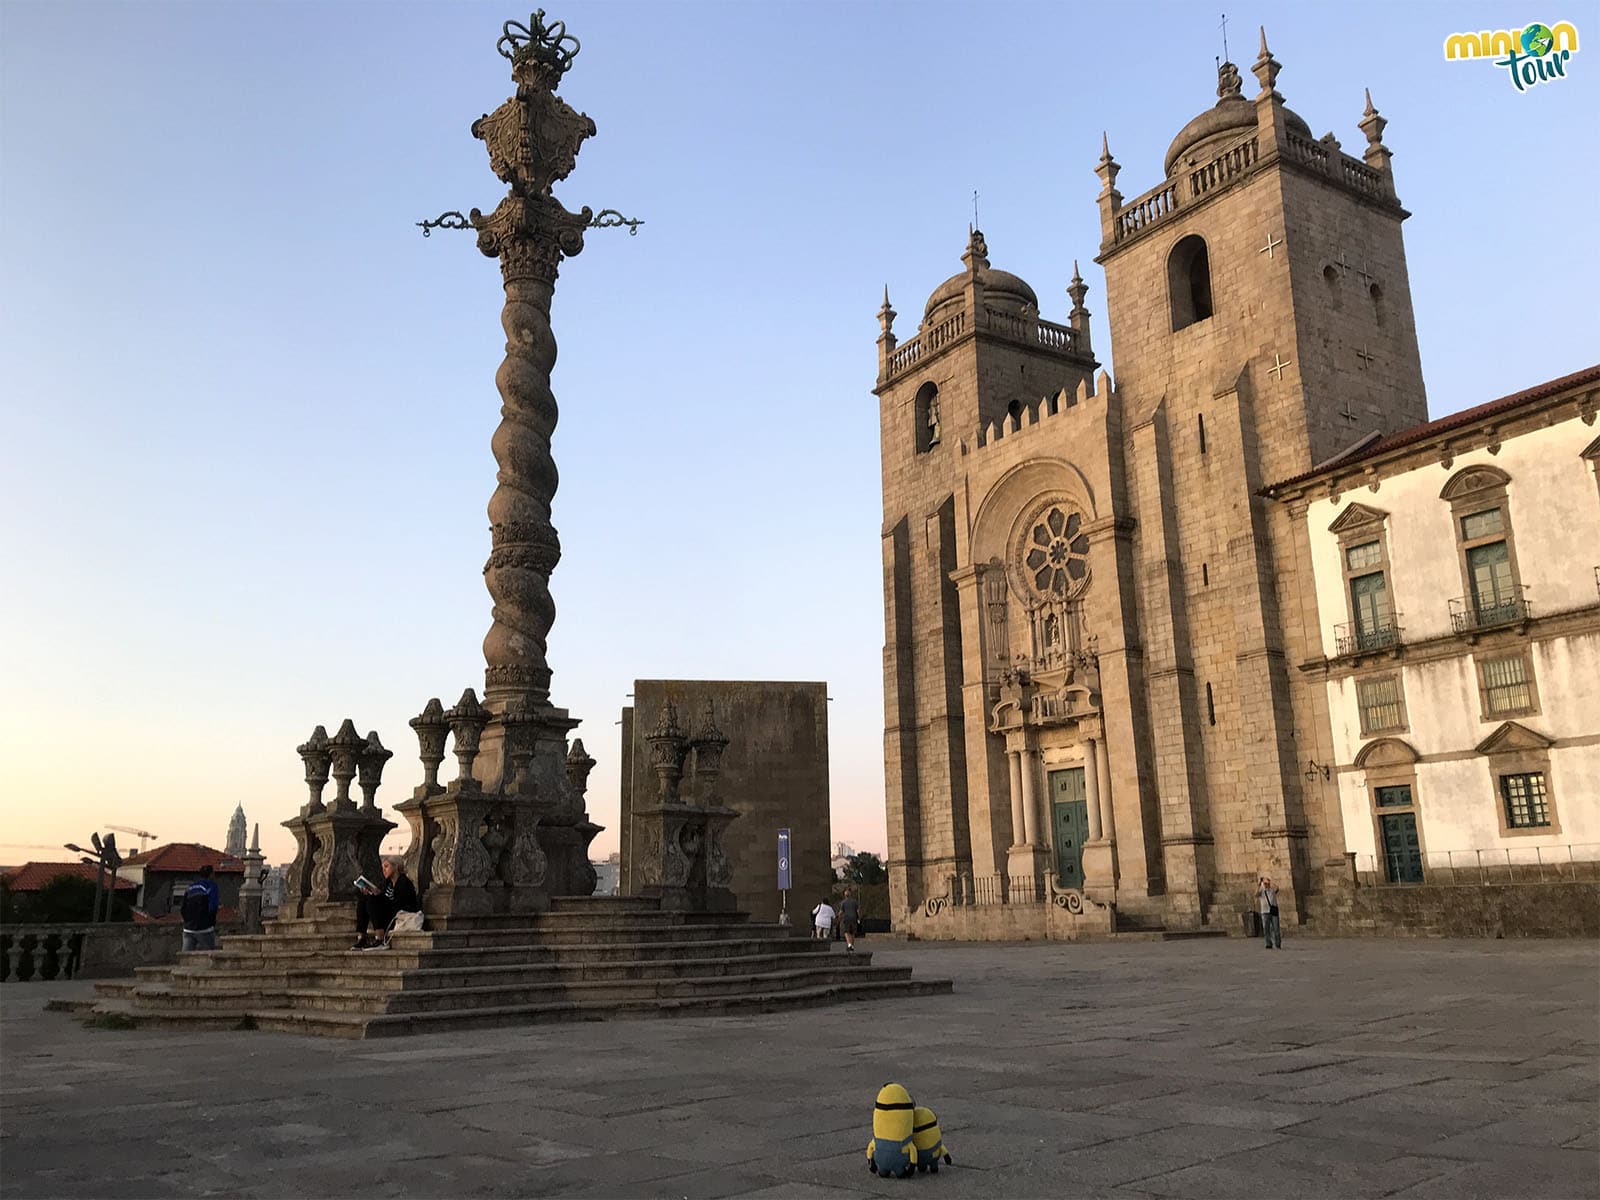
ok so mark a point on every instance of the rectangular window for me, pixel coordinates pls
(1380, 704)
(1506, 687)
(1524, 795)
(1369, 598)
(1489, 568)
(1482, 524)
(1398, 796)
(1368, 554)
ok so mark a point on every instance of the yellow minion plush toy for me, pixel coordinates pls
(927, 1140)
(892, 1150)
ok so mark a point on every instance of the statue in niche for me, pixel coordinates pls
(933, 419)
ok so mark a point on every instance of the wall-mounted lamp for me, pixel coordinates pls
(1313, 766)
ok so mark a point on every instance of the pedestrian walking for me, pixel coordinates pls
(200, 902)
(823, 915)
(850, 919)
(1267, 904)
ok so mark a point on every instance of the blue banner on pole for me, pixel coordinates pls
(785, 881)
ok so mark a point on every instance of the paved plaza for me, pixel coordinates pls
(1202, 1068)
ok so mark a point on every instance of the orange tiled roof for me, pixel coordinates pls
(186, 857)
(31, 876)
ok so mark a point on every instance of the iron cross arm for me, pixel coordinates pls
(606, 218)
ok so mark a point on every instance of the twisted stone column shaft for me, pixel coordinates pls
(525, 545)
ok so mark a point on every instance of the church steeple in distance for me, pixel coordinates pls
(236, 833)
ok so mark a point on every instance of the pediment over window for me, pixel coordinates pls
(1512, 737)
(1592, 450)
(1355, 516)
(1474, 479)
(1386, 752)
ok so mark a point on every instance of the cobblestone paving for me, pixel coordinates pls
(1332, 1068)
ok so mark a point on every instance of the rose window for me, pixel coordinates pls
(1055, 556)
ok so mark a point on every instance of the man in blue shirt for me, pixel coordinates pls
(200, 903)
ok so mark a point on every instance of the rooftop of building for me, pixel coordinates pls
(1482, 414)
(31, 876)
(184, 857)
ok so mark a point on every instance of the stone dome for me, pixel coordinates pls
(1225, 121)
(1001, 289)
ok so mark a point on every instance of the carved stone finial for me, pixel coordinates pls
(579, 764)
(1107, 169)
(255, 839)
(667, 746)
(709, 742)
(431, 730)
(1077, 289)
(1372, 123)
(977, 253)
(886, 314)
(345, 747)
(314, 753)
(370, 768)
(1266, 68)
(1229, 84)
(467, 720)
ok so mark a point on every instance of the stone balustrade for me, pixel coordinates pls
(1031, 330)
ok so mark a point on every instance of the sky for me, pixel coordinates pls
(244, 454)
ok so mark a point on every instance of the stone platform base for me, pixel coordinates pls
(586, 959)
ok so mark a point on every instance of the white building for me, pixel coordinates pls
(1457, 580)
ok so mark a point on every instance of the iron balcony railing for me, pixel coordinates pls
(1357, 637)
(1536, 864)
(1469, 613)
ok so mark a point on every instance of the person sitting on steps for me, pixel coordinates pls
(376, 907)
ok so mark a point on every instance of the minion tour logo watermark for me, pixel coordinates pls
(1535, 54)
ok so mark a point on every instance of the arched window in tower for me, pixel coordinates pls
(1189, 282)
(1376, 293)
(927, 416)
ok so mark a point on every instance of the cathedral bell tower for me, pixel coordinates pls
(1261, 323)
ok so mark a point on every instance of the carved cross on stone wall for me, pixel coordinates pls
(1278, 364)
(1365, 357)
(1267, 249)
(1343, 263)
(1347, 414)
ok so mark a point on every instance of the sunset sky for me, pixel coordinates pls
(245, 452)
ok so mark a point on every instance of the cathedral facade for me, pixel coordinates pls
(1093, 614)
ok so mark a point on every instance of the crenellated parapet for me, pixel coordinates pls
(1041, 413)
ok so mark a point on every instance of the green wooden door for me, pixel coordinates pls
(1402, 853)
(1071, 828)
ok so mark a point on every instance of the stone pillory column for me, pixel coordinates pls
(533, 141)
(512, 829)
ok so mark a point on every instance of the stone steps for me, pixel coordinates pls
(585, 961)
(360, 1025)
(414, 951)
(376, 969)
(168, 998)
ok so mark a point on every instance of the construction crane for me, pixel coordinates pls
(144, 835)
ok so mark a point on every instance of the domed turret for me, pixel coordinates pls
(1228, 119)
(1002, 290)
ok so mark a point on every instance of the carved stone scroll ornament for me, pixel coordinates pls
(649, 853)
(444, 851)
(346, 866)
(719, 870)
(528, 860)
